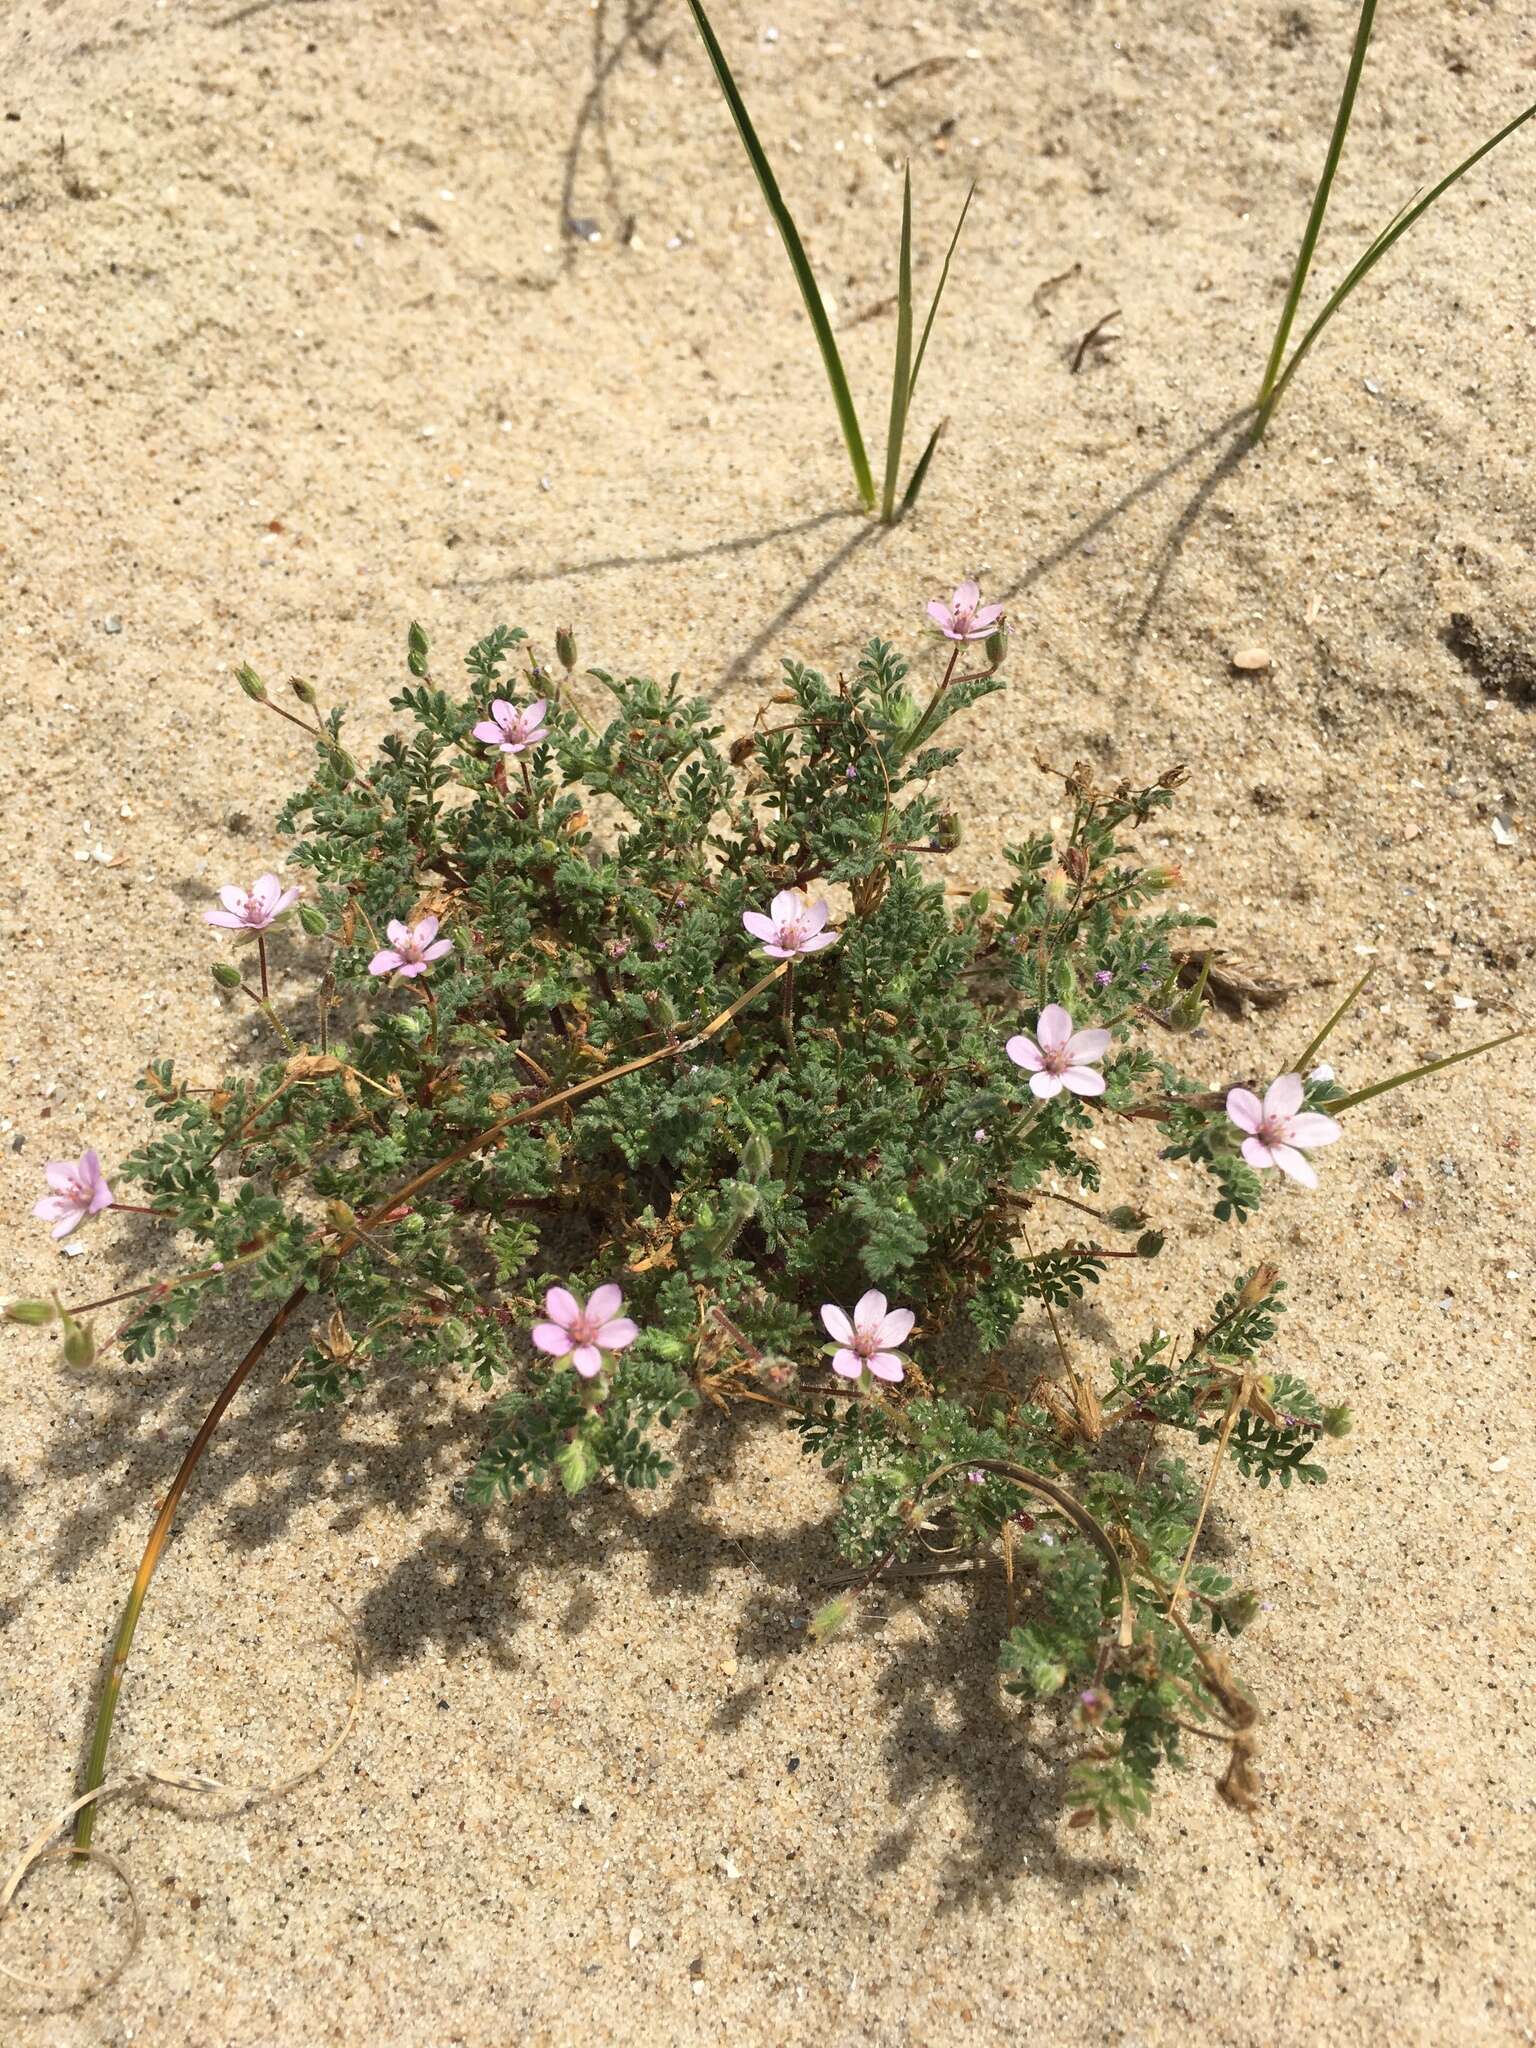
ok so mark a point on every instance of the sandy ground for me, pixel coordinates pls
(296, 348)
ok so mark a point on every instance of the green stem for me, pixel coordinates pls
(1267, 390)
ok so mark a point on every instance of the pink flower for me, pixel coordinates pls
(965, 617)
(584, 1334)
(793, 925)
(252, 911)
(1280, 1129)
(78, 1191)
(513, 730)
(869, 1338)
(1059, 1057)
(411, 949)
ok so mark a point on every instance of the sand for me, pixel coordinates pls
(297, 348)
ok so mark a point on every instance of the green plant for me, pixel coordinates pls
(570, 1030)
(905, 372)
(1279, 370)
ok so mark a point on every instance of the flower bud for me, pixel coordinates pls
(34, 1314)
(1149, 1244)
(305, 692)
(225, 975)
(1187, 1014)
(1125, 1217)
(1058, 888)
(565, 646)
(416, 650)
(79, 1344)
(1237, 1610)
(1338, 1421)
(756, 1156)
(826, 1621)
(946, 835)
(251, 683)
(454, 1336)
(996, 644)
(340, 1215)
(312, 918)
(979, 903)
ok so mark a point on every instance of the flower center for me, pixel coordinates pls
(585, 1328)
(1053, 1058)
(1274, 1130)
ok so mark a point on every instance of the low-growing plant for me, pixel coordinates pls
(616, 1068)
(1280, 369)
(908, 362)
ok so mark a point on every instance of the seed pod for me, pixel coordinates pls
(1237, 1610)
(1338, 1421)
(565, 646)
(996, 645)
(33, 1314)
(79, 1344)
(225, 975)
(251, 683)
(305, 692)
(312, 918)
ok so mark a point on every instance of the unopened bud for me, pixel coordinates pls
(34, 1314)
(662, 1009)
(1149, 1244)
(1125, 1217)
(79, 1344)
(996, 645)
(1338, 1421)
(1187, 1014)
(251, 683)
(305, 692)
(340, 1215)
(756, 1156)
(1058, 889)
(416, 650)
(312, 918)
(454, 1336)
(225, 975)
(979, 903)
(826, 1621)
(1167, 877)
(1237, 1610)
(565, 646)
(946, 835)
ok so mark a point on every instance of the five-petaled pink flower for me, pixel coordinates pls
(79, 1190)
(254, 909)
(584, 1334)
(793, 925)
(1058, 1057)
(1279, 1129)
(965, 617)
(411, 949)
(869, 1337)
(512, 729)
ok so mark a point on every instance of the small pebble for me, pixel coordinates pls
(111, 623)
(1503, 832)
(1499, 1465)
(1373, 387)
(1250, 660)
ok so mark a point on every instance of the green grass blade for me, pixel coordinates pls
(1454, 1059)
(1319, 208)
(800, 263)
(917, 362)
(901, 375)
(1304, 1060)
(1399, 226)
(915, 481)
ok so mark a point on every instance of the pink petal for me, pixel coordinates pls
(894, 1328)
(942, 617)
(605, 1301)
(1312, 1129)
(1053, 1028)
(1296, 1165)
(868, 1309)
(62, 1174)
(986, 619)
(1084, 1080)
(67, 1223)
(1083, 1047)
(781, 952)
(759, 926)
(966, 598)
(503, 712)
(1283, 1098)
(52, 1207)
(409, 969)
(489, 731)
(385, 962)
(535, 711)
(816, 916)
(588, 1360)
(1245, 1109)
(1045, 1085)
(786, 906)
(232, 898)
(265, 891)
(286, 901)
(617, 1334)
(561, 1306)
(397, 933)
(836, 1323)
(1024, 1052)
(849, 1364)
(551, 1338)
(425, 932)
(438, 950)
(817, 940)
(885, 1367)
(1258, 1154)
(226, 919)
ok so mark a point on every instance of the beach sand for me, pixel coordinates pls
(298, 346)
